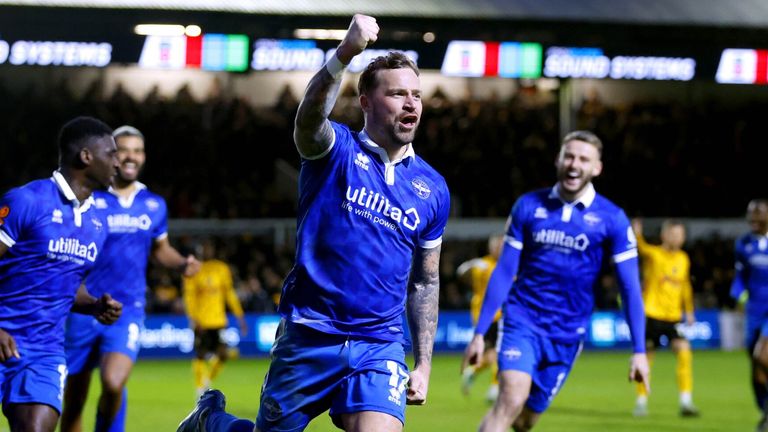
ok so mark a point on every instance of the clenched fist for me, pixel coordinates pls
(108, 310)
(362, 32)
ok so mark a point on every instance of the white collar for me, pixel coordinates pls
(66, 190)
(383, 155)
(586, 199)
(127, 202)
(139, 186)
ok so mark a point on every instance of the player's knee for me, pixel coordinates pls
(113, 383)
(509, 407)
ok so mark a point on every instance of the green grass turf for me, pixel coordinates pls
(595, 397)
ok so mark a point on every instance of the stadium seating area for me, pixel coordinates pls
(661, 160)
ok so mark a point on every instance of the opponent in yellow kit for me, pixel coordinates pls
(476, 272)
(668, 298)
(206, 296)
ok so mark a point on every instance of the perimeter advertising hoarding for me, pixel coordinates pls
(306, 55)
(55, 53)
(743, 66)
(170, 336)
(484, 59)
(568, 62)
(212, 52)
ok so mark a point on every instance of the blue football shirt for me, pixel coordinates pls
(133, 225)
(360, 219)
(52, 243)
(752, 263)
(562, 247)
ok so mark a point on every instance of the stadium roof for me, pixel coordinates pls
(732, 13)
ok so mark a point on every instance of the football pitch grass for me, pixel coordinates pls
(597, 396)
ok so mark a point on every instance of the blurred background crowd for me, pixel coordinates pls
(231, 159)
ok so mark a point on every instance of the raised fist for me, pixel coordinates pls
(362, 32)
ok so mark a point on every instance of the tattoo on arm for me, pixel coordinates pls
(313, 133)
(423, 293)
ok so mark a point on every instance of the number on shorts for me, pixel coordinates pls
(133, 337)
(397, 373)
(62, 379)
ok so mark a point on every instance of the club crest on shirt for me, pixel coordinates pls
(4, 212)
(152, 204)
(272, 409)
(421, 188)
(57, 216)
(362, 160)
(100, 203)
(592, 219)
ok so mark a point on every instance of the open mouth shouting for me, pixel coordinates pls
(572, 179)
(408, 122)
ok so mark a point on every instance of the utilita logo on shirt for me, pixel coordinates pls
(561, 239)
(69, 247)
(126, 222)
(377, 208)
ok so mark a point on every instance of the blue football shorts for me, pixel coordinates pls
(33, 379)
(547, 362)
(87, 340)
(312, 372)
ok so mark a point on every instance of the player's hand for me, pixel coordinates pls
(639, 370)
(416, 394)
(362, 32)
(637, 226)
(690, 319)
(108, 310)
(191, 266)
(243, 327)
(473, 353)
(7, 346)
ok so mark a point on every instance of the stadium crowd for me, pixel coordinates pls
(665, 158)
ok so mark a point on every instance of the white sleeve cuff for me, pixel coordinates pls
(6, 239)
(632, 253)
(324, 153)
(431, 244)
(335, 67)
(515, 243)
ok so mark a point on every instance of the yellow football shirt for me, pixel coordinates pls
(207, 294)
(667, 291)
(479, 273)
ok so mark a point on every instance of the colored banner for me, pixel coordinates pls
(212, 52)
(505, 59)
(743, 66)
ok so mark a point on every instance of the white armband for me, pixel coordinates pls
(335, 67)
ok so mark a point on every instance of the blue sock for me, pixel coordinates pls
(118, 423)
(221, 421)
